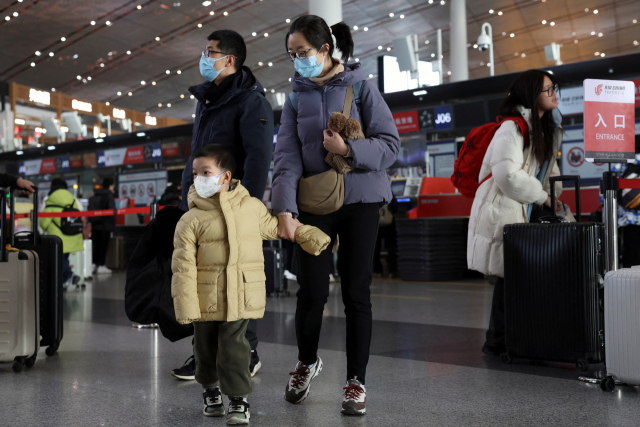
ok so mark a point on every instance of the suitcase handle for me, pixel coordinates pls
(34, 216)
(3, 232)
(576, 182)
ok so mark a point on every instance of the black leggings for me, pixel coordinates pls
(357, 226)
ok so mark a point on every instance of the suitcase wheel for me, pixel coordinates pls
(51, 350)
(582, 365)
(17, 366)
(608, 384)
(506, 358)
(30, 361)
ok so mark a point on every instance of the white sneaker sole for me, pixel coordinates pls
(233, 421)
(309, 387)
(256, 368)
(183, 377)
(353, 411)
(214, 414)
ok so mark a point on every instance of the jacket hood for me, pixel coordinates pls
(243, 81)
(352, 74)
(213, 202)
(62, 198)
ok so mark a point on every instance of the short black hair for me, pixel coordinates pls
(58, 184)
(222, 156)
(107, 182)
(230, 43)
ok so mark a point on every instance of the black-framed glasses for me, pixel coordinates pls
(207, 53)
(551, 90)
(302, 54)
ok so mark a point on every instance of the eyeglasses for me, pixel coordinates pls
(551, 90)
(302, 54)
(207, 53)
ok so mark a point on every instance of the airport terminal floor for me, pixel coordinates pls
(426, 369)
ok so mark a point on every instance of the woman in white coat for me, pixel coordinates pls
(518, 188)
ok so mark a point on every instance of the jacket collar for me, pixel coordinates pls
(526, 114)
(213, 202)
(352, 74)
(244, 81)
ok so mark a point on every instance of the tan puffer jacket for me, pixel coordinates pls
(218, 266)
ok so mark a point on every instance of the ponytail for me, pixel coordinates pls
(318, 33)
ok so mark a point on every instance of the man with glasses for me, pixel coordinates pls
(233, 112)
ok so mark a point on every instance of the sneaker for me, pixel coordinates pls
(188, 370)
(289, 275)
(255, 364)
(103, 270)
(238, 411)
(354, 398)
(332, 279)
(75, 279)
(213, 406)
(298, 387)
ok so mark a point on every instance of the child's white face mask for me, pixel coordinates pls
(207, 186)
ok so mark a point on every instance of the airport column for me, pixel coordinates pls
(459, 63)
(331, 12)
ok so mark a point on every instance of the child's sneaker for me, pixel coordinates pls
(354, 398)
(213, 406)
(238, 411)
(299, 384)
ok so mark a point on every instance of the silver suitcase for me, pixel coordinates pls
(622, 327)
(19, 303)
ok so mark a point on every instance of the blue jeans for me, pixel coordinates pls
(66, 269)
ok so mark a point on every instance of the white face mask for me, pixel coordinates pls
(207, 186)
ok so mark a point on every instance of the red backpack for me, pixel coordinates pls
(467, 167)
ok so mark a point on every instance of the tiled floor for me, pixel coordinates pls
(426, 369)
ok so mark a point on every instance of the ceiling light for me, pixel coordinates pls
(107, 103)
(597, 53)
(448, 73)
(199, 25)
(53, 89)
(366, 28)
(290, 77)
(143, 83)
(593, 33)
(635, 42)
(206, 3)
(260, 63)
(153, 83)
(391, 15)
(575, 41)
(516, 54)
(357, 60)
(160, 105)
(401, 16)
(15, 14)
(254, 34)
(430, 1)
(524, 55)
(273, 91)
(379, 47)
(128, 52)
(552, 23)
(110, 53)
(388, 49)
(51, 147)
(75, 56)
(33, 64)
(504, 34)
(266, 34)
(79, 77)
(63, 39)
(226, 13)
(600, 34)
(586, 9)
(595, 12)
(38, 53)
(500, 13)
(544, 22)
(119, 93)
(489, 64)
(19, 152)
(102, 64)
(602, 55)
(512, 35)
(7, 18)
(139, 7)
(182, 96)
(370, 75)
(169, 105)
(130, 94)
(635, 21)
(51, 53)
(89, 78)
(212, 13)
(475, 46)
(108, 23)
(157, 39)
(192, 97)
(490, 10)
(93, 22)
(179, 72)
(355, 28)
(287, 20)
(442, 2)
(481, 63)
(270, 64)
(168, 72)
(20, 121)
(573, 34)
(426, 42)
(433, 55)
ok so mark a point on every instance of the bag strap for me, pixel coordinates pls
(348, 99)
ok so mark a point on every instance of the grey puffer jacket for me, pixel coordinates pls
(300, 151)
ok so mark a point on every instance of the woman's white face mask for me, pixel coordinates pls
(207, 186)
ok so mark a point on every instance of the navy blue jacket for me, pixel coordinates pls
(240, 120)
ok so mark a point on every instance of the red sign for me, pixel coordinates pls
(407, 121)
(75, 162)
(48, 166)
(609, 119)
(636, 83)
(134, 155)
(170, 150)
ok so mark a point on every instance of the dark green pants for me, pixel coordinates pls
(222, 356)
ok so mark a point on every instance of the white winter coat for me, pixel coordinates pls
(503, 198)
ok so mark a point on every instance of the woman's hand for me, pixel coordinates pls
(558, 203)
(334, 143)
(287, 227)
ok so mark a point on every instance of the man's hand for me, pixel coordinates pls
(25, 186)
(334, 143)
(287, 227)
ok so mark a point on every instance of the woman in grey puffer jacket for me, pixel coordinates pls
(303, 142)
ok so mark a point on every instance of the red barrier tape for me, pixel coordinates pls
(629, 183)
(89, 214)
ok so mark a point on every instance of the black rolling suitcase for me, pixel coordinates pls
(553, 289)
(49, 250)
(274, 262)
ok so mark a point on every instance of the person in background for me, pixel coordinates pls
(233, 112)
(518, 188)
(102, 226)
(59, 199)
(172, 196)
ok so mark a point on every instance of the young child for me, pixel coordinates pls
(218, 277)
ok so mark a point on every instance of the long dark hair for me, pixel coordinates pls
(525, 91)
(317, 33)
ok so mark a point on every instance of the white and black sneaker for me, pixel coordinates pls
(354, 398)
(238, 411)
(213, 406)
(188, 370)
(299, 384)
(255, 364)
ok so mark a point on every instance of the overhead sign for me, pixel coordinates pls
(571, 101)
(150, 120)
(81, 105)
(119, 113)
(609, 120)
(407, 121)
(434, 119)
(37, 167)
(170, 149)
(39, 96)
(130, 155)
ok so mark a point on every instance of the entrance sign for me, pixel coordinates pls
(609, 120)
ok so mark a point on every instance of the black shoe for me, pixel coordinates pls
(188, 370)
(75, 280)
(255, 364)
(493, 350)
(213, 406)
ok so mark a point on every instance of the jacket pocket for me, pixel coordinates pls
(255, 294)
(208, 297)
